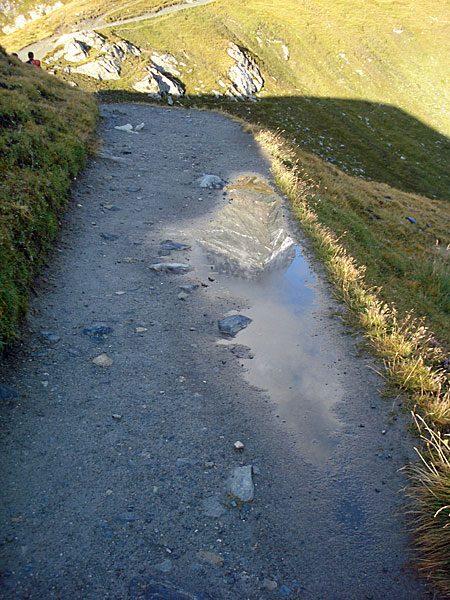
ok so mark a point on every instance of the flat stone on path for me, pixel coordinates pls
(240, 483)
(102, 360)
(232, 325)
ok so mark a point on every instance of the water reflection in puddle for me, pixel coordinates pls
(290, 360)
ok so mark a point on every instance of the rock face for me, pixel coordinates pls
(20, 21)
(78, 45)
(104, 67)
(166, 63)
(248, 236)
(245, 74)
(158, 84)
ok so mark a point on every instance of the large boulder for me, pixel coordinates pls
(75, 51)
(166, 63)
(158, 84)
(102, 68)
(245, 75)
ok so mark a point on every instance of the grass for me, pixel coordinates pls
(45, 129)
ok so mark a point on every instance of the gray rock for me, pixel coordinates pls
(6, 393)
(165, 566)
(102, 68)
(186, 462)
(213, 507)
(76, 51)
(245, 74)
(240, 484)
(232, 325)
(168, 246)
(211, 181)
(158, 84)
(98, 330)
(128, 517)
(133, 188)
(284, 591)
(170, 267)
(166, 63)
(110, 237)
(412, 220)
(51, 338)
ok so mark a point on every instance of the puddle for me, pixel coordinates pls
(254, 258)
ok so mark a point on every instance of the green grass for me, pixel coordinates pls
(45, 128)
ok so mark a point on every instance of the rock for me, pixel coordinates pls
(110, 237)
(412, 220)
(6, 393)
(51, 338)
(140, 329)
(168, 246)
(269, 584)
(213, 507)
(127, 127)
(166, 63)
(117, 417)
(189, 288)
(233, 324)
(240, 484)
(182, 296)
(75, 51)
(158, 84)
(133, 188)
(245, 75)
(102, 68)
(98, 330)
(161, 590)
(284, 591)
(139, 127)
(170, 267)
(211, 558)
(211, 181)
(238, 446)
(128, 516)
(102, 360)
(165, 566)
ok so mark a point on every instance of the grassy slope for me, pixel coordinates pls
(44, 131)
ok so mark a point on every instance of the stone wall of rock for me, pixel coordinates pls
(245, 75)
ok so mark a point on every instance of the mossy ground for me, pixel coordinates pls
(45, 128)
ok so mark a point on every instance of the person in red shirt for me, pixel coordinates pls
(33, 61)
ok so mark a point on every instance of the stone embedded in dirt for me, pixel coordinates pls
(284, 591)
(211, 182)
(110, 237)
(170, 267)
(233, 324)
(240, 483)
(102, 360)
(186, 462)
(98, 330)
(128, 516)
(165, 566)
(269, 584)
(189, 288)
(140, 329)
(6, 393)
(238, 446)
(412, 220)
(212, 507)
(51, 338)
(211, 558)
(161, 590)
(117, 417)
(182, 296)
(133, 188)
(166, 247)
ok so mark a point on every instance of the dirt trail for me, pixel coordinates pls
(110, 474)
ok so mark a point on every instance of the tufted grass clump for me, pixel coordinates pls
(45, 131)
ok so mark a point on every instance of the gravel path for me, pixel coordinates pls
(111, 475)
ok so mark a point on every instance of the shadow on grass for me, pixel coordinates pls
(368, 140)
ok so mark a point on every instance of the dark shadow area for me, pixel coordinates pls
(370, 140)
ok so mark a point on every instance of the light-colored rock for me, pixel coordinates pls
(212, 507)
(158, 84)
(211, 558)
(20, 21)
(245, 74)
(166, 63)
(102, 68)
(211, 182)
(126, 127)
(286, 52)
(75, 51)
(238, 445)
(141, 329)
(240, 483)
(102, 360)
(170, 267)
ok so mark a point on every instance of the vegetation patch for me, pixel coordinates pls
(45, 130)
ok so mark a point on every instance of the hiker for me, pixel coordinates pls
(33, 61)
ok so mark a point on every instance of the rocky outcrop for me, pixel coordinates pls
(33, 14)
(77, 46)
(102, 68)
(245, 75)
(166, 63)
(76, 51)
(158, 84)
